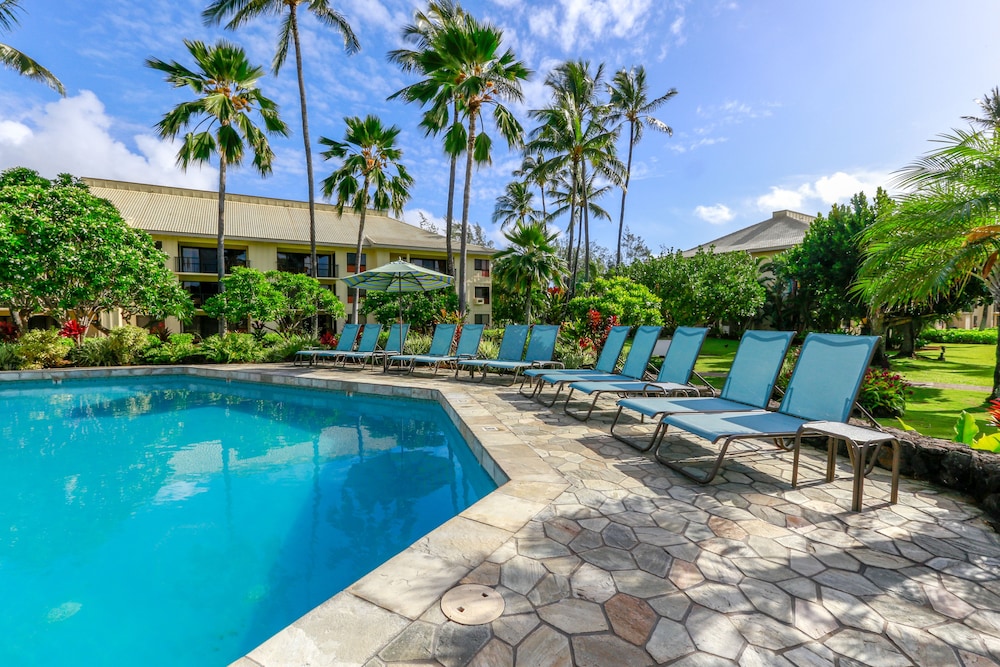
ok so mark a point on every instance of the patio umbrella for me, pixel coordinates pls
(399, 276)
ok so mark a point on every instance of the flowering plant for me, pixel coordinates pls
(72, 329)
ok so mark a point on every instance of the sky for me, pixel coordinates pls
(781, 104)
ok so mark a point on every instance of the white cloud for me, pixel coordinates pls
(814, 195)
(575, 23)
(73, 136)
(717, 214)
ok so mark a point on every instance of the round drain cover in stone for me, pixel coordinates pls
(472, 604)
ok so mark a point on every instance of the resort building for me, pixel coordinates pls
(268, 234)
(780, 232)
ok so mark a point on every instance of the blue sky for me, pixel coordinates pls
(781, 104)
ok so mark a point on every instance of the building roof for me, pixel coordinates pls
(174, 211)
(781, 231)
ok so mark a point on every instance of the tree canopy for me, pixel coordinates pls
(69, 254)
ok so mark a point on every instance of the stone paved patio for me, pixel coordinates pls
(605, 557)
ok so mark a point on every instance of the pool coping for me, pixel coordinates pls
(354, 624)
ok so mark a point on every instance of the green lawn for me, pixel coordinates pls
(931, 411)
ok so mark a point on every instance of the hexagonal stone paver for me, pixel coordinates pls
(496, 654)
(719, 597)
(764, 631)
(521, 574)
(592, 583)
(603, 650)
(512, 629)
(768, 598)
(631, 619)
(609, 558)
(574, 616)
(714, 633)
(544, 648)
(641, 584)
(669, 640)
(866, 648)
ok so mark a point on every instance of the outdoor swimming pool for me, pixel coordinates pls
(182, 521)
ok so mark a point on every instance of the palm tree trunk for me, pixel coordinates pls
(570, 256)
(449, 222)
(221, 237)
(293, 19)
(466, 199)
(628, 175)
(586, 224)
(527, 306)
(357, 253)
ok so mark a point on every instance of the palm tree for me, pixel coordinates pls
(463, 63)
(629, 99)
(531, 259)
(18, 61)
(990, 105)
(566, 197)
(531, 172)
(241, 12)
(422, 32)
(574, 132)
(225, 84)
(514, 205)
(943, 230)
(364, 179)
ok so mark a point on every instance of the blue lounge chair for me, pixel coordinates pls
(748, 386)
(823, 387)
(393, 345)
(634, 368)
(511, 349)
(346, 343)
(605, 365)
(674, 376)
(541, 348)
(366, 346)
(444, 336)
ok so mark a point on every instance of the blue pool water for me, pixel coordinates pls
(178, 521)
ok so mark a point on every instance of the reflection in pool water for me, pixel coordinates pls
(173, 521)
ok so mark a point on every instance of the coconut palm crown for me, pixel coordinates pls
(240, 12)
(220, 117)
(365, 177)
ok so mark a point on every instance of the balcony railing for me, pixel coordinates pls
(195, 265)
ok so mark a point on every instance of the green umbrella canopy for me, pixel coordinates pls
(399, 276)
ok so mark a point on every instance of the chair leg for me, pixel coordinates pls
(631, 443)
(701, 479)
(590, 411)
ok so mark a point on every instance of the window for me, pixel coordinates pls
(482, 319)
(200, 291)
(352, 257)
(205, 260)
(438, 265)
(482, 293)
(350, 294)
(301, 262)
(482, 266)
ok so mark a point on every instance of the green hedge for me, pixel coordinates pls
(981, 336)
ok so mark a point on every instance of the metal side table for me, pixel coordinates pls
(863, 445)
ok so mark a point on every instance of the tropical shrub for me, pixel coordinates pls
(631, 302)
(8, 332)
(233, 348)
(883, 393)
(420, 309)
(179, 348)
(966, 430)
(94, 352)
(285, 348)
(979, 336)
(11, 358)
(44, 348)
(127, 344)
(417, 343)
(575, 354)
